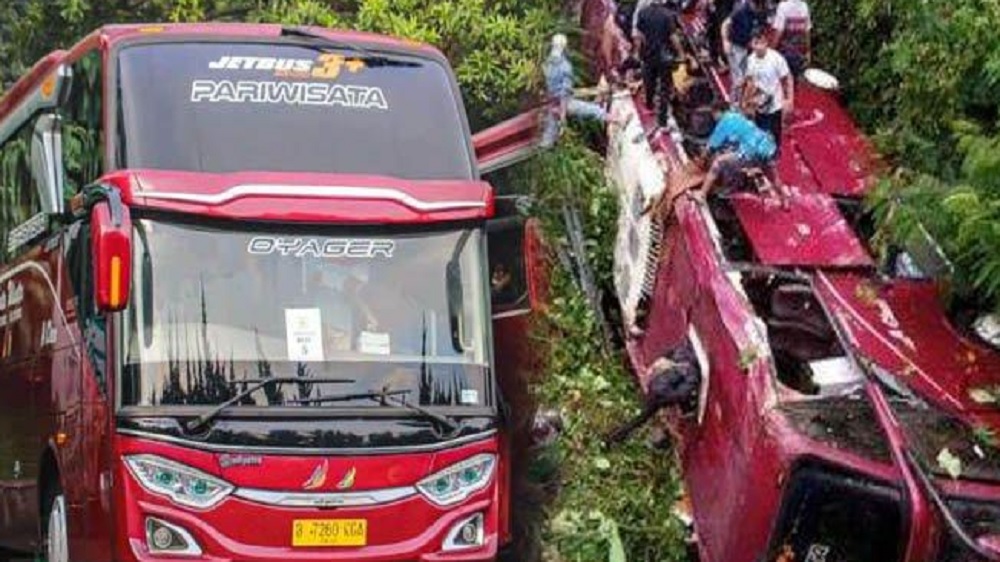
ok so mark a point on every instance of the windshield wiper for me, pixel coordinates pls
(258, 384)
(385, 397)
(329, 42)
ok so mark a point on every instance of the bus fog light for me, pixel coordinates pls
(165, 538)
(468, 533)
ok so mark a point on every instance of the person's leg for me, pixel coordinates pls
(719, 167)
(649, 82)
(586, 110)
(777, 128)
(666, 94)
(737, 70)
(770, 169)
(770, 122)
(551, 128)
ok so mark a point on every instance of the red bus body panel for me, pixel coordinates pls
(740, 451)
(60, 372)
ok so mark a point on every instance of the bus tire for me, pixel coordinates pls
(56, 531)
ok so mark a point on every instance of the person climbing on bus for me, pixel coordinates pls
(660, 48)
(792, 29)
(558, 71)
(738, 147)
(769, 86)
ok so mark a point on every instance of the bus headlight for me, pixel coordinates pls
(459, 480)
(182, 484)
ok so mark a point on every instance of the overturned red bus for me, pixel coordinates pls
(843, 411)
(246, 307)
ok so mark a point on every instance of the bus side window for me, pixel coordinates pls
(19, 199)
(82, 126)
(508, 283)
(81, 275)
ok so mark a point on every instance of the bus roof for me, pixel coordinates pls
(110, 35)
(117, 33)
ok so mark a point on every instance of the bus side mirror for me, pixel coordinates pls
(46, 162)
(111, 238)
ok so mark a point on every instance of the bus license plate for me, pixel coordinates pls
(330, 532)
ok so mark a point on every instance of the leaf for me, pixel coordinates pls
(602, 463)
(950, 463)
(616, 550)
(748, 357)
(981, 395)
(985, 436)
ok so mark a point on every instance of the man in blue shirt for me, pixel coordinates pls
(559, 86)
(739, 145)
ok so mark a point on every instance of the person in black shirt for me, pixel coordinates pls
(659, 48)
(737, 31)
(718, 12)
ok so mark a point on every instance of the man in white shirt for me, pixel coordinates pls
(768, 87)
(792, 29)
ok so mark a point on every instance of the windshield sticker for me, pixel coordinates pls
(374, 343)
(303, 328)
(321, 247)
(288, 93)
(469, 397)
(326, 66)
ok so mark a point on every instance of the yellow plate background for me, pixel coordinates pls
(329, 532)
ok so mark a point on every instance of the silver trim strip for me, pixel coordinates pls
(511, 313)
(344, 499)
(327, 191)
(310, 451)
(33, 265)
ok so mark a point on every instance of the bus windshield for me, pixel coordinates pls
(214, 309)
(234, 107)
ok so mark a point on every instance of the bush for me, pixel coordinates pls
(923, 77)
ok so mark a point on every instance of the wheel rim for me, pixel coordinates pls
(58, 542)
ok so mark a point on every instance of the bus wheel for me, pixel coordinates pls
(56, 532)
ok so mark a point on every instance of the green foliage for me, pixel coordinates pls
(494, 46)
(613, 504)
(923, 77)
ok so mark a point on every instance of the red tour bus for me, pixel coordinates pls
(245, 303)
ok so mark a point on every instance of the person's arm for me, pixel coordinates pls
(727, 46)
(788, 85)
(718, 136)
(809, 31)
(639, 7)
(778, 27)
(675, 39)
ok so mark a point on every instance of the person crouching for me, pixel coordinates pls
(738, 147)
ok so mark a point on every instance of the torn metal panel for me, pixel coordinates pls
(902, 327)
(812, 232)
(509, 142)
(829, 154)
(640, 179)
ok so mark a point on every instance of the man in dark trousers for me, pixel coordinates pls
(718, 12)
(659, 48)
(737, 31)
